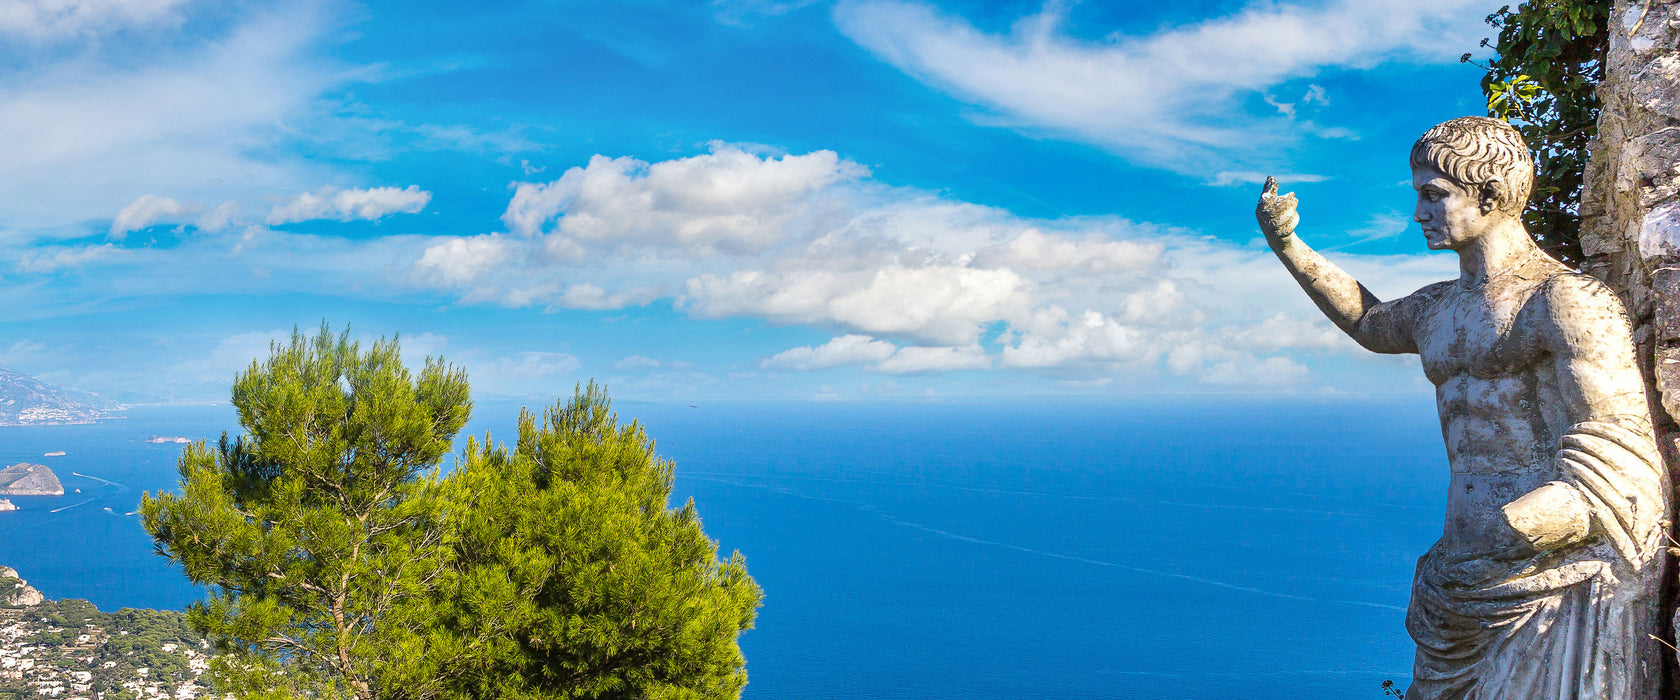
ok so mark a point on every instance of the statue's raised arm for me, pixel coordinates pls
(1546, 578)
(1376, 326)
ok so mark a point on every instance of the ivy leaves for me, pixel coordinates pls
(1510, 99)
(1549, 60)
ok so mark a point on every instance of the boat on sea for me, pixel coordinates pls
(55, 453)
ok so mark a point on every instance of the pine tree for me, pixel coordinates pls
(576, 579)
(320, 528)
(343, 565)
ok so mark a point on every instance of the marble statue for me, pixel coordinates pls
(1545, 581)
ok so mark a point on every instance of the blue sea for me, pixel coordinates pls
(1165, 549)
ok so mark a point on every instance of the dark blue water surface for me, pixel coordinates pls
(1158, 550)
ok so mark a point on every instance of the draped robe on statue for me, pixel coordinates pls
(1565, 624)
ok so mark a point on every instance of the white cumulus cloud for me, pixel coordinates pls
(844, 350)
(728, 199)
(922, 360)
(1034, 250)
(459, 260)
(351, 205)
(941, 303)
(908, 281)
(145, 211)
(878, 356)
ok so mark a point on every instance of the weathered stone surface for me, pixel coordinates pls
(27, 479)
(1665, 323)
(1630, 209)
(1547, 579)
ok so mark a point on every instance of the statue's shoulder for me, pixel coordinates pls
(1567, 288)
(1429, 293)
(1573, 300)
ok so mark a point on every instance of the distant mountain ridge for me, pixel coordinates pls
(25, 400)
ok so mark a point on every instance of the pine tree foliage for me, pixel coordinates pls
(576, 580)
(319, 529)
(344, 566)
(1549, 59)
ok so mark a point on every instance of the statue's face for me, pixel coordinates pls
(1451, 214)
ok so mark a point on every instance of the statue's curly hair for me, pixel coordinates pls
(1473, 151)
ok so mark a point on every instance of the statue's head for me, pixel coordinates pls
(1470, 173)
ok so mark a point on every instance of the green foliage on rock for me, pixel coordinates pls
(318, 528)
(1549, 59)
(579, 578)
(9, 587)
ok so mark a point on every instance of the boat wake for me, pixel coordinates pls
(1136, 569)
(102, 481)
(1055, 555)
(73, 505)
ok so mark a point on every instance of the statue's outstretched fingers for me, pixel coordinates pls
(1270, 190)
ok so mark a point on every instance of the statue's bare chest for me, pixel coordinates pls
(1478, 332)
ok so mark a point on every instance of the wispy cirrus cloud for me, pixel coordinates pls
(199, 121)
(169, 113)
(743, 13)
(46, 20)
(1181, 98)
(48, 260)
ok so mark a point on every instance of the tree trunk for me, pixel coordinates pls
(1630, 216)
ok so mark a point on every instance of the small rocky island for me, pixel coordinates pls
(6, 505)
(27, 479)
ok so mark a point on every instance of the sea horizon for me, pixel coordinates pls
(1172, 549)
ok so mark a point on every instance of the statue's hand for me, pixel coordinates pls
(1550, 517)
(1276, 214)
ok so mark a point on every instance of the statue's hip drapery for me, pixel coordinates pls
(1566, 624)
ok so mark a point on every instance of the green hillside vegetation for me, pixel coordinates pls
(122, 653)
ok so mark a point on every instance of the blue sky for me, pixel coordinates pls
(854, 200)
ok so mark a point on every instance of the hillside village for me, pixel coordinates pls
(68, 649)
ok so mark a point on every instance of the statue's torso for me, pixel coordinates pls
(1496, 392)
